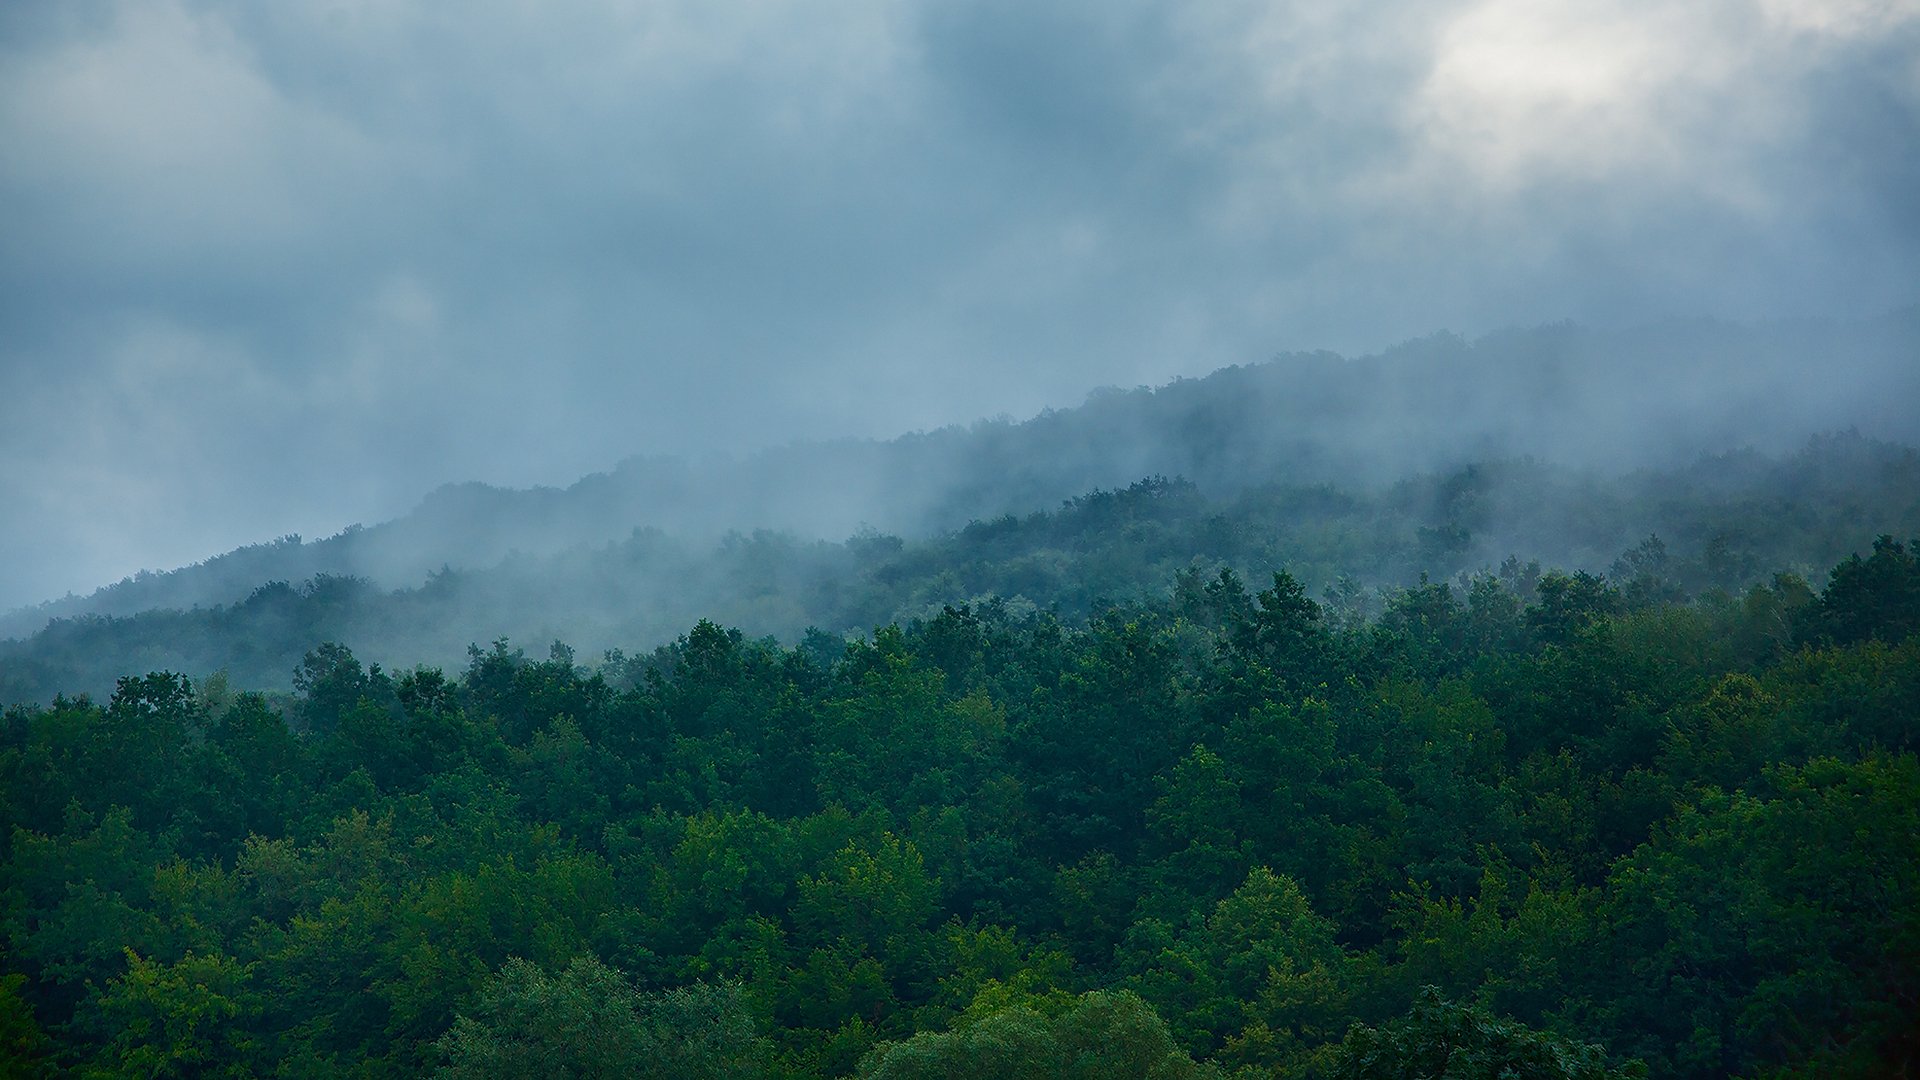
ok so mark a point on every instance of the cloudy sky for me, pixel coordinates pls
(271, 268)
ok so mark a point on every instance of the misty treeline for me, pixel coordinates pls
(1602, 404)
(1552, 825)
(1719, 523)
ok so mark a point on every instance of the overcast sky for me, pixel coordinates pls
(270, 268)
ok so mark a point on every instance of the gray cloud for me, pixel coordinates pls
(273, 268)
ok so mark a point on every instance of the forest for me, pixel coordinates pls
(1722, 521)
(1229, 729)
(1523, 822)
(1564, 443)
(911, 540)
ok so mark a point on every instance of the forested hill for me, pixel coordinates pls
(1721, 523)
(1558, 830)
(1547, 780)
(1606, 401)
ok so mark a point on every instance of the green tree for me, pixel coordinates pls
(1568, 604)
(1194, 819)
(25, 1050)
(330, 682)
(1440, 1040)
(589, 1022)
(1875, 597)
(196, 1017)
(1774, 933)
(1284, 636)
(1262, 975)
(875, 896)
(1099, 1036)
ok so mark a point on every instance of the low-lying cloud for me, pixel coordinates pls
(277, 268)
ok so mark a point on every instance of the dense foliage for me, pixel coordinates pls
(1227, 831)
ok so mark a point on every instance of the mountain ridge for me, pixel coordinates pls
(1614, 400)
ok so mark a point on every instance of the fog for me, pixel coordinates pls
(1439, 456)
(276, 270)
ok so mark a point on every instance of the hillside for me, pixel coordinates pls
(1606, 402)
(1551, 828)
(1720, 523)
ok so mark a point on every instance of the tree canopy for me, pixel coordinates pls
(1527, 824)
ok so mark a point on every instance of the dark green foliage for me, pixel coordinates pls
(24, 1047)
(1440, 1040)
(1099, 1036)
(589, 1022)
(1877, 597)
(193, 1018)
(1776, 927)
(1568, 604)
(1196, 835)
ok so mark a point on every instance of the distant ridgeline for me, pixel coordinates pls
(1720, 523)
(1545, 825)
(1604, 403)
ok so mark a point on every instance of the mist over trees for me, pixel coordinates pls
(1699, 451)
(756, 654)
(1600, 402)
(1360, 743)
(1717, 525)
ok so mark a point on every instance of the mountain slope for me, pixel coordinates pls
(1717, 523)
(1608, 401)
